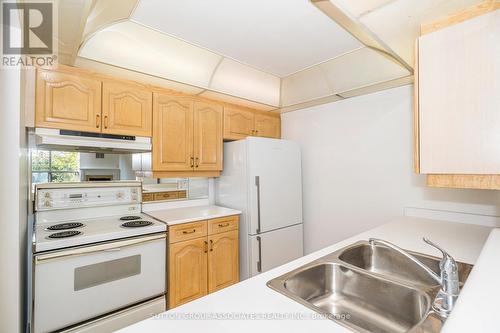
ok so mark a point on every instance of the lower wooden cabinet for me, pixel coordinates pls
(204, 264)
(187, 270)
(223, 268)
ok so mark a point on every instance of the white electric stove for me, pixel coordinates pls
(95, 255)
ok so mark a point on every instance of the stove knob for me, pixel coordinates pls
(47, 203)
(47, 194)
(119, 195)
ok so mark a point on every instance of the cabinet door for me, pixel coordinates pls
(127, 109)
(187, 270)
(65, 101)
(223, 262)
(238, 124)
(207, 136)
(172, 133)
(268, 126)
(459, 98)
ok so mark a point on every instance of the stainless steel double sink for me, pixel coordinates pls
(369, 288)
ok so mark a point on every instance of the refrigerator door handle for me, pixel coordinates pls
(259, 263)
(257, 183)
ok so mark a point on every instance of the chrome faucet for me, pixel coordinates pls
(448, 278)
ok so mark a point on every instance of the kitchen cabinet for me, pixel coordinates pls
(267, 126)
(126, 109)
(172, 133)
(67, 101)
(457, 103)
(203, 258)
(207, 147)
(223, 268)
(240, 123)
(187, 271)
(187, 134)
(71, 99)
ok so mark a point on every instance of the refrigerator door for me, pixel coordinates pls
(275, 248)
(274, 171)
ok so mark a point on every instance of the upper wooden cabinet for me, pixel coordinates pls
(67, 101)
(172, 133)
(207, 136)
(187, 135)
(126, 109)
(268, 126)
(457, 105)
(240, 123)
(73, 100)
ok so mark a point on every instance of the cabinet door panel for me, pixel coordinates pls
(172, 133)
(238, 124)
(207, 136)
(459, 98)
(66, 101)
(126, 109)
(223, 262)
(187, 271)
(267, 126)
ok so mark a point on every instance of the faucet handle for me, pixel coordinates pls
(431, 243)
(448, 262)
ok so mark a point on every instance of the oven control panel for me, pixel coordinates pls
(66, 198)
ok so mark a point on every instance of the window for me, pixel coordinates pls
(54, 166)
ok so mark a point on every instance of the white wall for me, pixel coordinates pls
(358, 169)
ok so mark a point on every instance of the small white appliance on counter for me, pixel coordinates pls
(262, 178)
(99, 264)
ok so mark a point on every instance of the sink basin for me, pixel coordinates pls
(369, 289)
(381, 260)
(359, 301)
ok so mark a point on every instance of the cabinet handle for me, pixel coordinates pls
(185, 232)
(222, 225)
(197, 162)
(192, 162)
(105, 121)
(206, 246)
(97, 120)
(211, 245)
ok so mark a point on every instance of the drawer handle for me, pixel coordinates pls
(222, 225)
(185, 232)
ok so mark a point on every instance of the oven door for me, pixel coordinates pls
(74, 285)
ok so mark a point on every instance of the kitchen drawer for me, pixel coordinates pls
(222, 224)
(182, 194)
(147, 197)
(186, 231)
(166, 195)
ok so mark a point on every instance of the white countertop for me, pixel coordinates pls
(190, 214)
(265, 310)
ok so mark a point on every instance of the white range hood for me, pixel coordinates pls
(55, 139)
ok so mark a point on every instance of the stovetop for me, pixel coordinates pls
(64, 234)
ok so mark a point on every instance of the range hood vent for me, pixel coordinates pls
(54, 139)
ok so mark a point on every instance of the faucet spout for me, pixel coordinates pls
(375, 241)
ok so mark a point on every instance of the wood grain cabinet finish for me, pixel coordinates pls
(126, 109)
(195, 250)
(207, 136)
(172, 133)
(187, 271)
(223, 262)
(238, 124)
(456, 110)
(67, 101)
(267, 126)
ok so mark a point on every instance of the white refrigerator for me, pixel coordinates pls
(262, 178)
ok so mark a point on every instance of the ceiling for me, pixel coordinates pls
(266, 54)
(280, 37)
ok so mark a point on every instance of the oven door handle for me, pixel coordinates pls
(107, 247)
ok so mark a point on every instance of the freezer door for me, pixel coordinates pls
(275, 184)
(275, 248)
